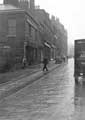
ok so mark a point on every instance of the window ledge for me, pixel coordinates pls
(11, 35)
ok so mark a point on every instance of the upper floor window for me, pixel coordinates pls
(30, 30)
(12, 27)
(26, 29)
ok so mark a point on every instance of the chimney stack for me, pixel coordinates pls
(12, 2)
(32, 4)
(24, 4)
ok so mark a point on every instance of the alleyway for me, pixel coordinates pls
(53, 97)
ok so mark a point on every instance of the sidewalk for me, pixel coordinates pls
(22, 78)
(18, 74)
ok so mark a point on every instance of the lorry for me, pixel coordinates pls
(79, 59)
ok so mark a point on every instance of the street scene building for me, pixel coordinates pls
(30, 33)
(12, 34)
(39, 78)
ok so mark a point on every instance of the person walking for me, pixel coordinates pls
(45, 62)
(24, 62)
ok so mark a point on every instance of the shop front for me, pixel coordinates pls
(47, 50)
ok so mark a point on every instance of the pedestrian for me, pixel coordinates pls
(24, 62)
(45, 62)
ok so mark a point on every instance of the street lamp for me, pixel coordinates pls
(25, 44)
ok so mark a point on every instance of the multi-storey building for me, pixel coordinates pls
(60, 37)
(32, 41)
(32, 33)
(36, 35)
(12, 34)
(43, 19)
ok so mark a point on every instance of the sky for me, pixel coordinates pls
(70, 13)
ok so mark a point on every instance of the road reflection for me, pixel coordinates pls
(79, 101)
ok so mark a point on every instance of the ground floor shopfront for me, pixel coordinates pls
(34, 54)
(49, 51)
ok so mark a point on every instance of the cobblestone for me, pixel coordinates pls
(23, 78)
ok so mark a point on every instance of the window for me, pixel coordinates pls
(36, 35)
(12, 27)
(30, 30)
(26, 29)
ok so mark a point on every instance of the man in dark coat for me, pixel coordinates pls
(45, 62)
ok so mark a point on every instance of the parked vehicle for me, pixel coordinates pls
(79, 58)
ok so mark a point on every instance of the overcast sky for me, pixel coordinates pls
(70, 13)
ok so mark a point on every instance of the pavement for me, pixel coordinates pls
(14, 81)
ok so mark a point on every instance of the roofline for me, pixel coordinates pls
(11, 11)
(32, 17)
(79, 39)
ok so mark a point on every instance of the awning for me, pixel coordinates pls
(34, 45)
(47, 44)
(34, 26)
(53, 46)
(31, 44)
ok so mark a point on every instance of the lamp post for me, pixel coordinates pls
(25, 44)
(24, 57)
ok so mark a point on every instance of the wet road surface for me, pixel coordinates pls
(53, 97)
